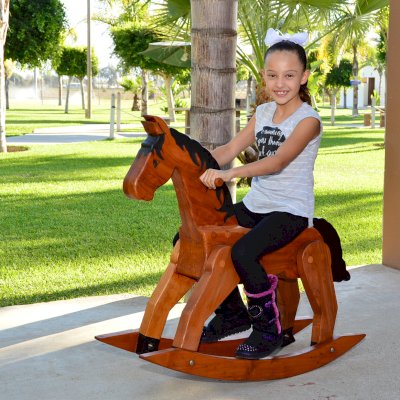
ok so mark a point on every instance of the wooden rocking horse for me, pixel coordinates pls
(201, 261)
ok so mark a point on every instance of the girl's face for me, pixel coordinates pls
(284, 74)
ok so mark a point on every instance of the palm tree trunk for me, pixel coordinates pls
(355, 87)
(212, 112)
(4, 14)
(214, 34)
(135, 104)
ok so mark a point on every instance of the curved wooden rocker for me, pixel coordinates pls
(201, 261)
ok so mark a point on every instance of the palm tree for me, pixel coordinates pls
(353, 24)
(213, 59)
(257, 16)
(383, 30)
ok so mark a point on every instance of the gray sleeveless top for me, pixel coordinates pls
(292, 189)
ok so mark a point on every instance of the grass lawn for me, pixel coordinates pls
(24, 117)
(67, 230)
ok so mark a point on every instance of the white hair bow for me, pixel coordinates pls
(273, 37)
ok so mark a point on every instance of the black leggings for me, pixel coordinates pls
(269, 232)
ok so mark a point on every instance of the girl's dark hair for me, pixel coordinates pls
(287, 45)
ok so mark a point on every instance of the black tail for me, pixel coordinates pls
(331, 238)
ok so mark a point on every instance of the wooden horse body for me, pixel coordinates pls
(201, 261)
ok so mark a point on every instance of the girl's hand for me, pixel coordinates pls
(209, 177)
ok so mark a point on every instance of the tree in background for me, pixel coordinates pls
(354, 22)
(36, 31)
(69, 36)
(4, 18)
(179, 85)
(254, 19)
(134, 14)
(132, 85)
(132, 11)
(383, 30)
(337, 78)
(72, 63)
(33, 38)
(129, 41)
(315, 79)
(108, 75)
(284, 15)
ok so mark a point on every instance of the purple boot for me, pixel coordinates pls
(266, 336)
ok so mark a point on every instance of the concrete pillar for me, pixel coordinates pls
(391, 199)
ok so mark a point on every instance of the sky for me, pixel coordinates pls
(76, 12)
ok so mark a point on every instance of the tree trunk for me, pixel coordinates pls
(67, 97)
(82, 94)
(4, 14)
(7, 91)
(214, 24)
(135, 104)
(333, 106)
(249, 95)
(3, 141)
(145, 93)
(314, 103)
(59, 90)
(170, 97)
(386, 80)
(355, 87)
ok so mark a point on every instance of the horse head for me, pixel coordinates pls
(149, 171)
(165, 154)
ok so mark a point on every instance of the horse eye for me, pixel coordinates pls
(149, 143)
(155, 163)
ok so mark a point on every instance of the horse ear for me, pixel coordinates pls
(154, 126)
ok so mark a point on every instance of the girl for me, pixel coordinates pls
(280, 202)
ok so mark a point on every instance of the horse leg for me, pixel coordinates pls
(288, 302)
(170, 289)
(315, 272)
(215, 284)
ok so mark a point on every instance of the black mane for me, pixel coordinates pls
(204, 160)
(195, 149)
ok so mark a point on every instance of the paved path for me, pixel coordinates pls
(70, 134)
(82, 133)
(48, 351)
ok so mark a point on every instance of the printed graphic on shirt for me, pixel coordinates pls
(269, 139)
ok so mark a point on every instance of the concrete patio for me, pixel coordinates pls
(48, 351)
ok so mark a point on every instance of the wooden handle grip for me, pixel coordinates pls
(219, 182)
